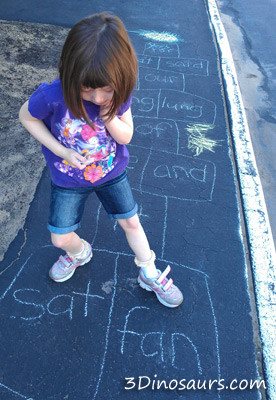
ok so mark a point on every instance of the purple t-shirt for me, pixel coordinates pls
(107, 158)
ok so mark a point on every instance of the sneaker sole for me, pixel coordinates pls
(65, 278)
(143, 285)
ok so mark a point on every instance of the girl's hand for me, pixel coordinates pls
(74, 159)
(121, 129)
(104, 110)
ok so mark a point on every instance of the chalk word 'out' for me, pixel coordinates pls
(160, 79)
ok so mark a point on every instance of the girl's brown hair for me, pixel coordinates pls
(97, 52)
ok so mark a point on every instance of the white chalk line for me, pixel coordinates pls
(118, 254)
(209, 297)
(157, 259)
(15, 278)
(261, 244)
(165, 227)
(18, 273)
(108, 328)
(216, 331)
(14, 392)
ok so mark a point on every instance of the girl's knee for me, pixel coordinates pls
(130, 224)
(60, 241)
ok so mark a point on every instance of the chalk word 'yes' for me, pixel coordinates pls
(159, 48)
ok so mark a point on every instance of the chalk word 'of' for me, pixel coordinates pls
(158, 129)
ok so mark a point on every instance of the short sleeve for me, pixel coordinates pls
(38, 106)
(124, 107)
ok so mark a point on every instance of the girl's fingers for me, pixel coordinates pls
(76, 160)
(79, 157)
(80, 163)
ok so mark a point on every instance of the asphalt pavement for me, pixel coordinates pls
(99, 335)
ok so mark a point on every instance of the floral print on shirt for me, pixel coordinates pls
(97, 146)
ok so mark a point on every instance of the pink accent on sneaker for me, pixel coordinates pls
(167, 293)
(163, 281)
(64, 268)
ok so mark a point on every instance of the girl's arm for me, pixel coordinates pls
(39, 131)
(121, 129)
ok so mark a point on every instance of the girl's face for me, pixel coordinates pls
(100, 96)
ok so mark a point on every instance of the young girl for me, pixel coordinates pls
(84, 121)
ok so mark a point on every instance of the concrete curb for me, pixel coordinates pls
(262, 251)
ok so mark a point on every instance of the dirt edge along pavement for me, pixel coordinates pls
(29, 55)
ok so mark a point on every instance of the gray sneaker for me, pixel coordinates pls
(167, 293)
(66, 265)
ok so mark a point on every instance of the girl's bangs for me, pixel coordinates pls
(96, 79)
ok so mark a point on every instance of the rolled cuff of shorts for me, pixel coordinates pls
(125, 215)
(63, 231)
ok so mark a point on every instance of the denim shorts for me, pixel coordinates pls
(67, 204)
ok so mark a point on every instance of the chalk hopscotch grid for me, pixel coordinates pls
(118, 254)
(206, 278)
(158, 59)
(125, 254)
(263, 258)
(164, 235)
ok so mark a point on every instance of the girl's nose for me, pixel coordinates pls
(98, 98)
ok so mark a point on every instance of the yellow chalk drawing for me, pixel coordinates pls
(197, 140)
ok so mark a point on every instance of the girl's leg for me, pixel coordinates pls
(139, 244)
(149, 277)
(66, 210)
(69, 242)
(136, 237)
